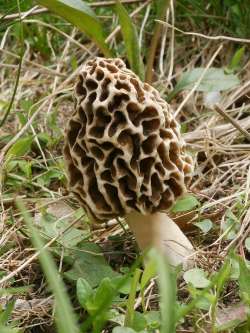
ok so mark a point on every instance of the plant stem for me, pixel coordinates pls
(129, 318)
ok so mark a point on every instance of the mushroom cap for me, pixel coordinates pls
(123, 148)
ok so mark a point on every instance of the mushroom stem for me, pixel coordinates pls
(159, 231)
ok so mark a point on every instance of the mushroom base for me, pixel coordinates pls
(159, 231)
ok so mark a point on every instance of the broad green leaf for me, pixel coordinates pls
(205, 225)
(65, 317)
(126, 285)
(153, 319)
(84, 292)
(80, 15)
(230, 225)
(222, 276)
(185, 203)
(196, 277)
(6, 314)
(52, 174)
(130, 39)
(123, 330)
(26, 104)
(54, 225)
(215, 79)
(247, 244)
(22, 118)
(203, 303)
(103, 291)
(139, 322)
(116, 317)
(70, 238)
(89, 264)
(235, 269)
(21, 147)
(26, 167)
(244, 281)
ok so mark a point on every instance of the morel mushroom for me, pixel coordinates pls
(125, 157)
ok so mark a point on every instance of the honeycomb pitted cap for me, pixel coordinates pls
(123, 148)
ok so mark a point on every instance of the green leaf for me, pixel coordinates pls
(196, 277)
(139, 322)
(205, 225)
(203, 303)
(153, 319)
(123, 330)
(52, 174)
(80, 15)
(247, 244)
(102, 292)
(235, 269)
(54, 227)
(116, 317)
(84, 292)
(215, 79)
(222, 276)
(244, 281)
(185, 203)
(230, 225)
(130, 39)
(26, 105)
(21, 147)
(6, 314)
(126, 285)
(25, 167)
(236, 60)
(89, 264)
(148, 273)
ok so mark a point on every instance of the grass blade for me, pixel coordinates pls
(130, 39)
(65, 318)
(167, 286)
(129, 318)
(80, 15)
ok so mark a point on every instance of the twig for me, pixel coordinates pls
(220, 37)
(234, 122)
(216, 131)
